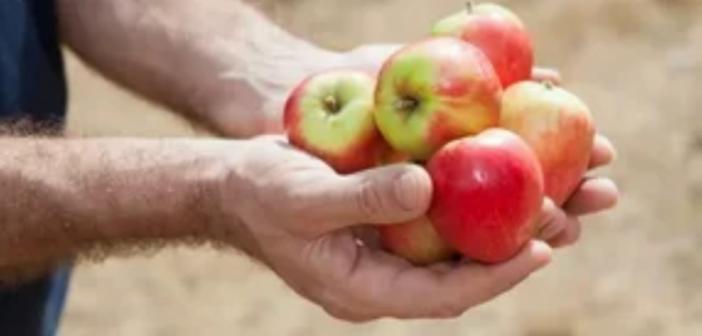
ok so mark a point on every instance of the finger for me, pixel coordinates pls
(552, 221)
(488, 282)
(385, 195)
(593, 196)
(569, 236)
(546, 74)
(603, 152)
(390, 287)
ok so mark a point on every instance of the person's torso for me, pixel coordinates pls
(32, 86)
(31, 70)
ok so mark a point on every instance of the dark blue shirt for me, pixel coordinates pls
(32, 86)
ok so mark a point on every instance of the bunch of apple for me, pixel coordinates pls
(463, 104)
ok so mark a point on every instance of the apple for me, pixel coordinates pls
(435, 91)
(416, 241)
(560, 129)
(488, 191)
(499, 33)
(330, 115)
(391, 157)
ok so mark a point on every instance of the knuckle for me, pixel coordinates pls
(574, 234)
(370, 200)
(552, 229)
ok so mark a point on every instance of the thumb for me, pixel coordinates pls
(384, 195)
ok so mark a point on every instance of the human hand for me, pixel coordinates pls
(302, 219)
(562, 227)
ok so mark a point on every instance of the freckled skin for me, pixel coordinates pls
(488, 191)
(456, 92)
(416, 241)
(499, 33)
(560, 129)
(347, 139)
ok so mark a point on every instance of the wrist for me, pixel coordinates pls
(229, 191)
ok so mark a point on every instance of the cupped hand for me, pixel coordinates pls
(301, 217)
(562, 227)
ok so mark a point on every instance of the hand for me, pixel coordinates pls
(562, 227)
(301, 218)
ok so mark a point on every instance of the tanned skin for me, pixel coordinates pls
(222, 63)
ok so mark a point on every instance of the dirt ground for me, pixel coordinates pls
(637, 272)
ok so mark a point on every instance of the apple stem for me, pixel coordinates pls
(331, 104)
(549, 84)
(470, 7)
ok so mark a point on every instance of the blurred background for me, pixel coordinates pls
(638, 270)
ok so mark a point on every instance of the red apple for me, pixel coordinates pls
(488, 191)
(415, 241)
(435, 91)
(560, 129)
(499, 33)
(330, 115)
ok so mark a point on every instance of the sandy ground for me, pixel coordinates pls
(637, 272)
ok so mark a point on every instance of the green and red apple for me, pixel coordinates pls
(488, 192)
(330, 115)
(433, 92)
(416, 241)
(499, 33)
(560, 129)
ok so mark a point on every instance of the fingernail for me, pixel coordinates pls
(612, 193)
(542, 252)
(610, 146)
(410, 190)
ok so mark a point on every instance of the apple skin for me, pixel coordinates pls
(435, 91)
(499, 33)
(559, 128)
(330, 115)
(416, 241)
(488, 191)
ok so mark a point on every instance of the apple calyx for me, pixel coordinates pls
(331, 104)
(406, 104)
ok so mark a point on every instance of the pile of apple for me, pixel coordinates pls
(463, 104)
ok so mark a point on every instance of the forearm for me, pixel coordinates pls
(64, 197)
(216, 61)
